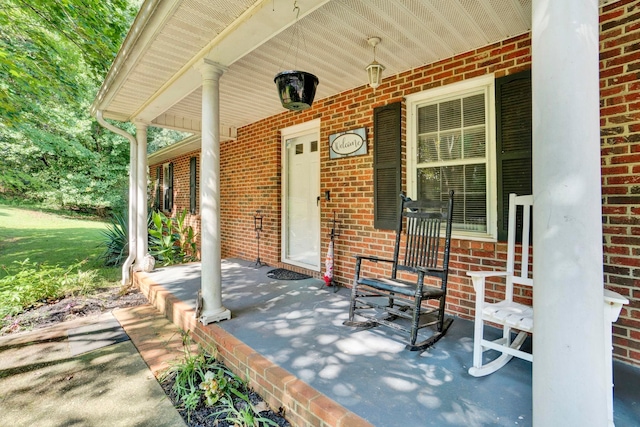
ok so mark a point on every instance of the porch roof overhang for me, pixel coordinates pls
(153, 78)
(187, 145)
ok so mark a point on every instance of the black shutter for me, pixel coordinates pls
(513, 142)
(156, 202)
(386, 165)
(170, 189)
(192, 185)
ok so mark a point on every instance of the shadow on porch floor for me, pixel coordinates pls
(298, 326)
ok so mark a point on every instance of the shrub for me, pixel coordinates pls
(116, 241)
(116, 244)
(171, 240)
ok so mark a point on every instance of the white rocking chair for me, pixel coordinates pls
(513, 315)
(507, 313)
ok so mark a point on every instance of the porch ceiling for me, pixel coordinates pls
(153, 77)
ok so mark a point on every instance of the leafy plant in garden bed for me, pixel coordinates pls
(28, 284)
(172, 240)
(206, 393)
(116, 245)
(115, 240)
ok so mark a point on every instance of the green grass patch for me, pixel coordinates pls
(46, 237)
(45, 256)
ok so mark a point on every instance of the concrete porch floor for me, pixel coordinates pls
(298, 326)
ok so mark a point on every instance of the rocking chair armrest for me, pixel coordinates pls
(360, 258)
(487, 273)
(372, 258)
(478, 280)
(438, 272)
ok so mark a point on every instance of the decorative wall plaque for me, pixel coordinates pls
(346, 144)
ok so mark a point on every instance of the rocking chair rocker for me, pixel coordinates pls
(419, 263)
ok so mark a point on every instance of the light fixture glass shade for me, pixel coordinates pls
(374, 71)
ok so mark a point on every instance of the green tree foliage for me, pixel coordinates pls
(53, 57)
(56, 51)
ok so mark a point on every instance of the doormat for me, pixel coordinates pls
(284, 274)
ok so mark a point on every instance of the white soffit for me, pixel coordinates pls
(334, 48)
(186, 29)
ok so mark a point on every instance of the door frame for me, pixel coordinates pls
(301, 129)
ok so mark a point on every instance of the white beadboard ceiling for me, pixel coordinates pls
(153, 76)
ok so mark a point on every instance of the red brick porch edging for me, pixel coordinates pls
(304, 406)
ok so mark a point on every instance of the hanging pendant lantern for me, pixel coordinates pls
(296, 89)
(374, 70)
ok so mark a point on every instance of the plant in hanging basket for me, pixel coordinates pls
(296, 89)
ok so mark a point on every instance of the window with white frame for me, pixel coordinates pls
(451, 145)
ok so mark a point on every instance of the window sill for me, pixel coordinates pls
(477, 237)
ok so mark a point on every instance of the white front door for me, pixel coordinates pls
(300, 201)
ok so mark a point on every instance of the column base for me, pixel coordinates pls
(146, 264)
(215, 316)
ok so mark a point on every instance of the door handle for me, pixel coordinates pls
(318, 201)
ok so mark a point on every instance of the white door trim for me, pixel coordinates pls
(285, 134)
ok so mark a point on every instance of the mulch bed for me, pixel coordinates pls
(49, 313)
(202, 416)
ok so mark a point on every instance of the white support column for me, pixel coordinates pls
(141, 188)
(127, 277)
(569, 368)
(211, 286)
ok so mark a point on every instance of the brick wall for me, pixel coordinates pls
(250, 182)
(251, 171)
(620, 132)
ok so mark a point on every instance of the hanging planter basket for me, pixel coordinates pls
(296, 89)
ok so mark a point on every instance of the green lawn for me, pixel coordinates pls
(48, 240)
(45, 237)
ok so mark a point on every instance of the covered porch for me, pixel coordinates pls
(287, 337)
(207, 67)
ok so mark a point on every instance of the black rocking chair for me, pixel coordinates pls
(419, 271)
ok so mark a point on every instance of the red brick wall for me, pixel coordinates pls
(251, 171)
(250, 181)
(620, 142)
